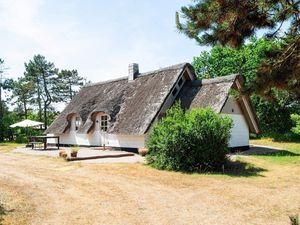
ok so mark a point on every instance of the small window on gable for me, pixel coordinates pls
(104, 123)
(180, 82)
(77, 122)
(174, 92)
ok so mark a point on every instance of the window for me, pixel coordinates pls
(174, 92)
(180, 82)
(104, 122)
(77, 122)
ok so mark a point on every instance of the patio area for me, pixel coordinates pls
(111, 156)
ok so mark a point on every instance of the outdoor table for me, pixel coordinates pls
(35, 140)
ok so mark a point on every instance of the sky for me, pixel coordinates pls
(98, 38)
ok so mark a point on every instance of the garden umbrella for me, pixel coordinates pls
(26, 123)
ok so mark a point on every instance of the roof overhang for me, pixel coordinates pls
(247, 107)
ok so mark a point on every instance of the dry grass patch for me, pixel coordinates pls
(14, 208)
(8, 146)
(256, 191)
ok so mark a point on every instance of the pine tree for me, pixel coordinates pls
(231, 22)
(22, 93)
(68, 83)
(42, 74)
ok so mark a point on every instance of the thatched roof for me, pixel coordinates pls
(207, 93)
(214, 93)
(132, 106)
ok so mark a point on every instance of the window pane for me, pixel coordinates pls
(104, 123)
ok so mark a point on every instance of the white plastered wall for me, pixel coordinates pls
(240, 130)
(97, 137)
(100, 138)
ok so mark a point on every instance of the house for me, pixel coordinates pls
(120, 112)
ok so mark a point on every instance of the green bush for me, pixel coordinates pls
(296, 119)
(21, 138)
(196, 140)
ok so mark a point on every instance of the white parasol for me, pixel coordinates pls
(26, 123)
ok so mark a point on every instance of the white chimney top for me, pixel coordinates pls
(133, 71)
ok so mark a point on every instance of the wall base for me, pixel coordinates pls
(239, 148)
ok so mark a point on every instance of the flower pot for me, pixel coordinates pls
(143, 151)
(61, 153)
(73, 154)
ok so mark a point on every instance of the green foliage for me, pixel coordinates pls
(221, 61)
(231, 23)
(6, 120)
(274, 115)
(296, 119)
(294, 219)
(68, 83)
(42, 74)
(189, 141)
(22, 93)
(34, 94)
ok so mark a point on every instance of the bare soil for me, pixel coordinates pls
(52, 191)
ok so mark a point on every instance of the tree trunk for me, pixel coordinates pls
(25, 109)
(70, 90)
(39, 100)
(47, 101)
(1, 108)
(45, 116)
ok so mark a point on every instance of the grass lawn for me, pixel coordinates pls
(38, 190)
(290, 153)
(8, 146)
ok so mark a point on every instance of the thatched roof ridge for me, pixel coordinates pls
(106, 81)
(131, 106)
(207, 92)
(214, 93)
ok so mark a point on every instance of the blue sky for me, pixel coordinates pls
(98, 38)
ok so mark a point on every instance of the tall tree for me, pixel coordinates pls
(274, 116)
(231, 22)
(43, 75)
(68, 83)
(5, 84)
(22, 93)
(1, 86)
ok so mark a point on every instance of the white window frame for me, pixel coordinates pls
(77, 122)
(104, 119)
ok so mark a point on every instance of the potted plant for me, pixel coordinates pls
(61, 153)
(74, 153)
(143, 151)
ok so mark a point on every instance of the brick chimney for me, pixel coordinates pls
(133, 71)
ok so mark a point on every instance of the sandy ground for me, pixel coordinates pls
(59, 192)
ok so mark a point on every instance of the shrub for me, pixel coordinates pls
(143, 151)
(21, 138)
(189, 141)
(294, 219)
(296, 119)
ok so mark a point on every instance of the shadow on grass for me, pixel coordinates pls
(3, 212)
(280, 153)
(242, 169)
(233, 169)
(267, 151)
